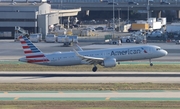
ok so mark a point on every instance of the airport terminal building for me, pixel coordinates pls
(33, 17)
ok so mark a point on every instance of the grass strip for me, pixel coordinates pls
(87, 87)
(89, 105)
(86, 68)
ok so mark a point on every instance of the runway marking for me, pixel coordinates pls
(60, 92)
(114, 92)
(107, 98)
(16, 98)
(5, 92)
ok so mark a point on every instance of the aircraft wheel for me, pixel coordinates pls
(151, 64)
(94, 69)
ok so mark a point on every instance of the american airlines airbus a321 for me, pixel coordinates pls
(103, 57)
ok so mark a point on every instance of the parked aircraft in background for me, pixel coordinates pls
(103, 57)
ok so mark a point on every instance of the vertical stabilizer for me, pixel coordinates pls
(32, 53)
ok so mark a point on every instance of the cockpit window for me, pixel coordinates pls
(158, 49)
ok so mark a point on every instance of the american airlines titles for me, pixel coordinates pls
(126, 52)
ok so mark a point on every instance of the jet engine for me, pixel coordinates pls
(109, 62)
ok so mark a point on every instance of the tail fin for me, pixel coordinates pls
(32, 53)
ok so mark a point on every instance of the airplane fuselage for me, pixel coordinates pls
(120, 54)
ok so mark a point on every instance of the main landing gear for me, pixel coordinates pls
(94, 69)
(151, 64)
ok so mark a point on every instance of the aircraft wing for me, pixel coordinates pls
(90, 60)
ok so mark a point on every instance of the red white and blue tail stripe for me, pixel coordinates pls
(32, 53)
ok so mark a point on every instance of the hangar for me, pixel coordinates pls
(34, 17)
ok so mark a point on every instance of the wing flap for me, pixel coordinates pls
(90, 60)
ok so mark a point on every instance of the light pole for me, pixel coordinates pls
(147, 9)
(61, 4)
(151, 12)
(61, 14)
(128, 13)
(119, 16)
(113, 19)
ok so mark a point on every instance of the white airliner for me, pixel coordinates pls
(104, 57)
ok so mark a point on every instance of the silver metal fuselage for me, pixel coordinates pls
(120, 54)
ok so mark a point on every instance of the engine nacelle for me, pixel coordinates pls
(109, 62)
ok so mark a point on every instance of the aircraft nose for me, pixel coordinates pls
(164, 52)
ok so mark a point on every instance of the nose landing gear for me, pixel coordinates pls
(151, 64)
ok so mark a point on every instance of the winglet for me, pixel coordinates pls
(77, 53)
(80, 49)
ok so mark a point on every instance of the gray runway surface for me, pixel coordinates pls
(89, 77)
(95, 96)
(167, 94)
